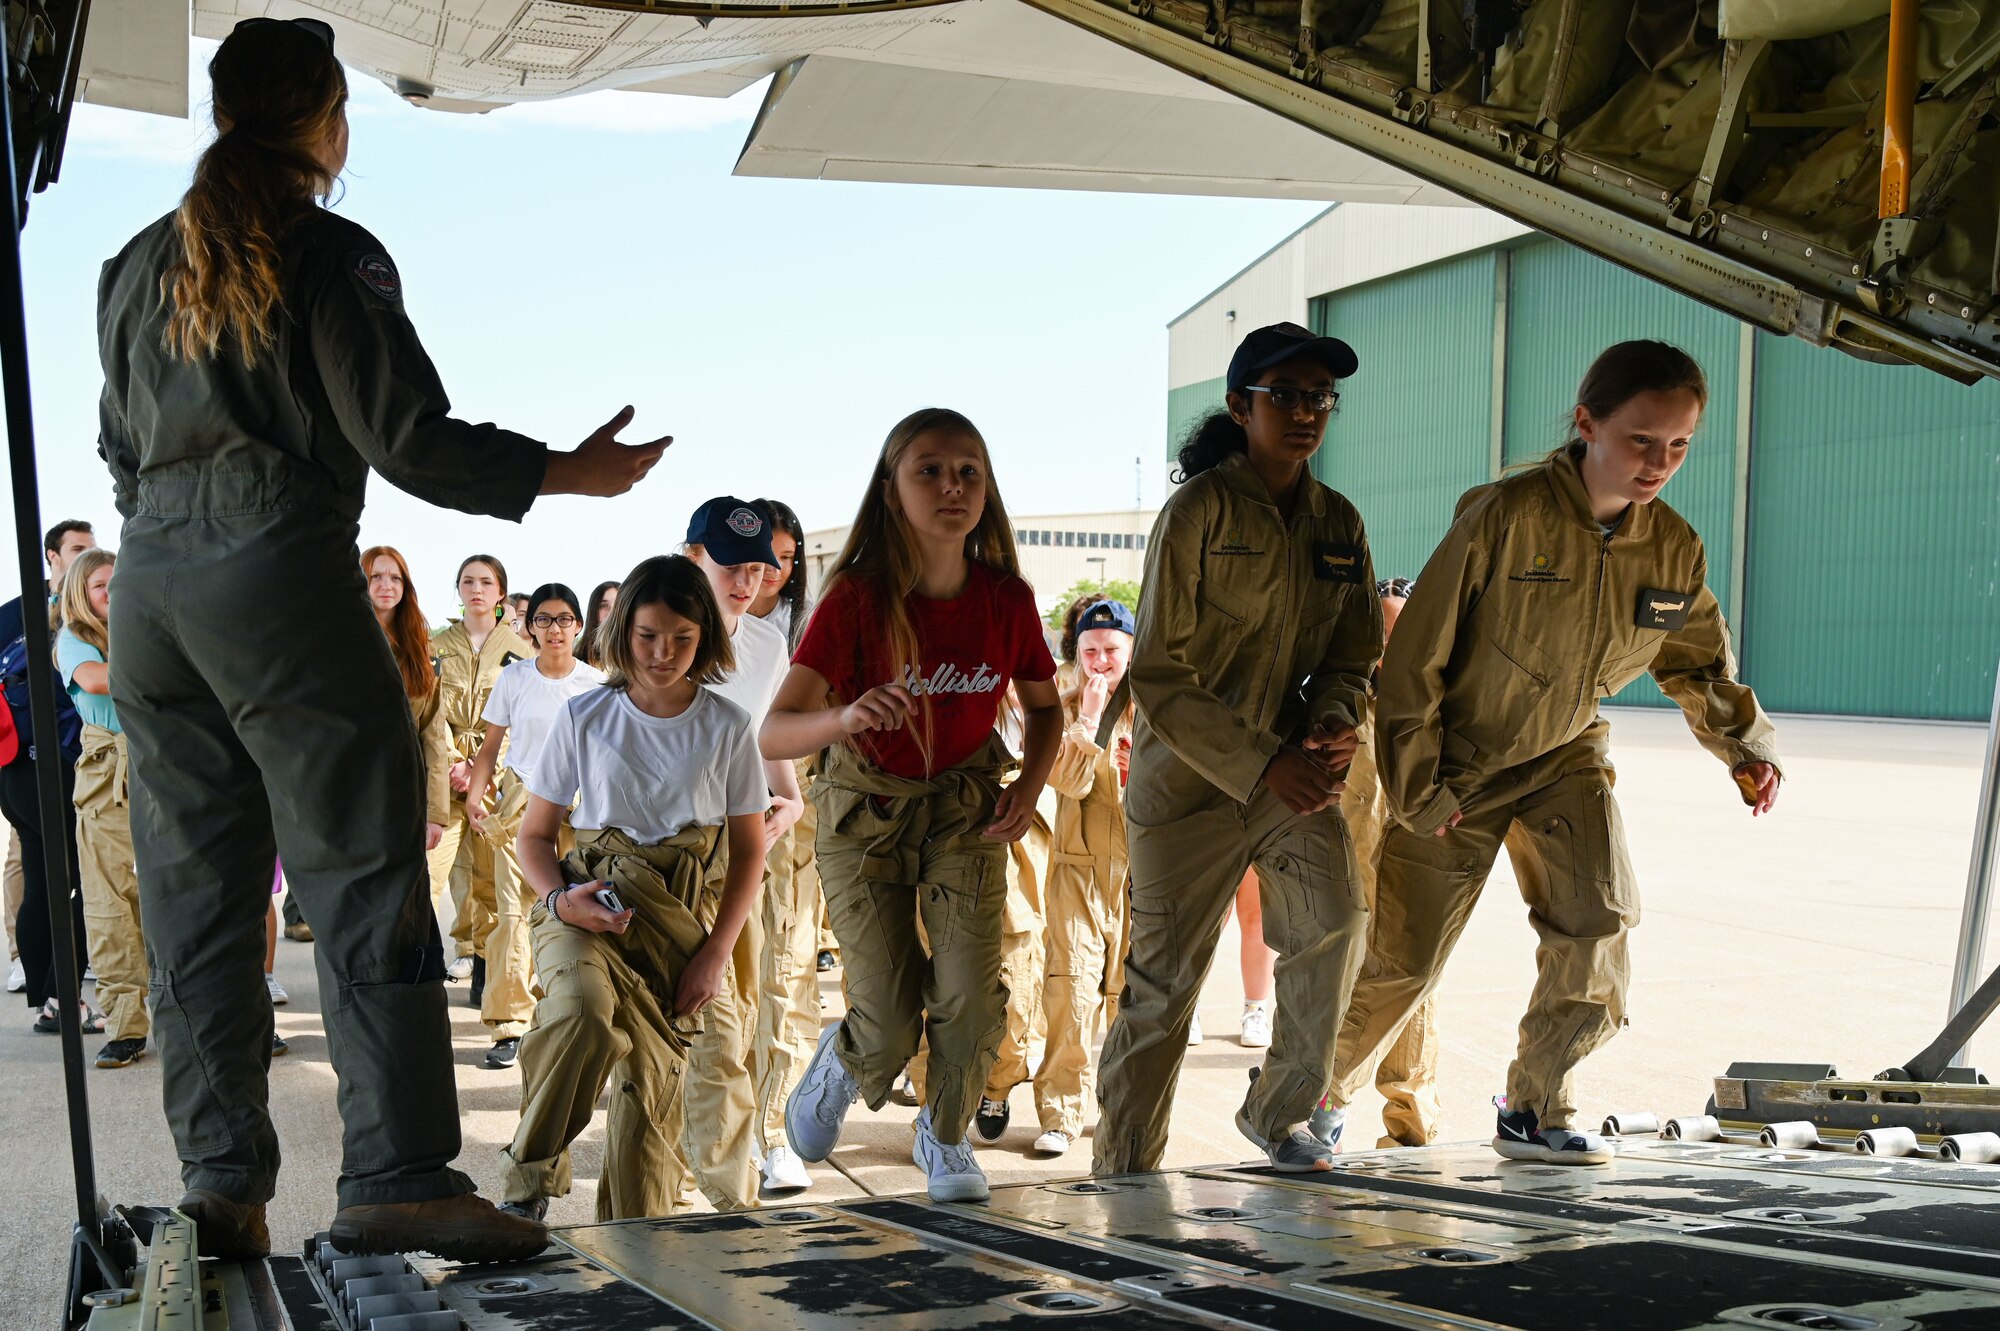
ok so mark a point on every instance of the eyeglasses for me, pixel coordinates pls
(319, 28)
(1321, 400)
(555, 621)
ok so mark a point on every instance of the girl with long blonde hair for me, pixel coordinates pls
(924, 622)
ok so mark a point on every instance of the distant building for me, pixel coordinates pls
(1058, 550)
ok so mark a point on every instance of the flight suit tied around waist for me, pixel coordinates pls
(661, 884)
(906, 816)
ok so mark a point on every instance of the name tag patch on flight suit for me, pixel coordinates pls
(380, 276)
(1333, 562)
(1662, 610)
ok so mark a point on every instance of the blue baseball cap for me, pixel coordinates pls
(1108, 615)
(1275, 344)
(732, 531)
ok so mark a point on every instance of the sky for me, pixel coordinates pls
(563, 260)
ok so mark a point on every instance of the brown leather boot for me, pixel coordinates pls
(226, 1230)
(465, 1228)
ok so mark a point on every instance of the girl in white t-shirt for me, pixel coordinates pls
(657, 767)
(525, 701)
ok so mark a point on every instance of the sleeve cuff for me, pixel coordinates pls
(1249, 770)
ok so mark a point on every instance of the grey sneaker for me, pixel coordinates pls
(1297, 1152)
(1326, 1124)
(818, 1104)
(1520, 1136)
(950, 1172)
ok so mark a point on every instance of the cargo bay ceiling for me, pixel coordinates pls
(1824, 168)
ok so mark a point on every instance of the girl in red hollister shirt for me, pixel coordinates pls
(924, 622)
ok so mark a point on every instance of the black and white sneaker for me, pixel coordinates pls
(825, 961)
(504, 1052)
(121, 1053)
(1520, 1136)
(991, 1120)
(535, 1208)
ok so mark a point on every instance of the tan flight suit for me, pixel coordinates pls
(607, 1011)
(788, 1021)
(1253, 630)
(111, 883)
(1022, 957)
(895, 852)
(1088, 921)
(463, 862)
(1406, 1075)
(14, 884)
(508, 1004)
(1526, 615)
(713, 1126)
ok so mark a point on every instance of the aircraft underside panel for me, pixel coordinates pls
(1745, 172)
(1675, 1236)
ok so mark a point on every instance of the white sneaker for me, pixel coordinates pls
(1255, 1032)
(1053, 1142)
(17, 979)
(950, 1172)
(460, 969)
(1195, 1036)
(277, 991)
(784, 1171)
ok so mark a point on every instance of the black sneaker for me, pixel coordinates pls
(991, 1120)
(535, 1208)
(478, 981)
(502, 1055)
(1520, 1136)
(279, 1046)
(121, 1053)
(826, 961)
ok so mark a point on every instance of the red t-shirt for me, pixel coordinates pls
(969, 647)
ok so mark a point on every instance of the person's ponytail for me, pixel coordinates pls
(1212, 439)
(278, 96)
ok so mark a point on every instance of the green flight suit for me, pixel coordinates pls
(1254, 629)
(263, 710)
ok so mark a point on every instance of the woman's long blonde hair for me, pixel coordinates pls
(881, 552)
(278, 95)
(78, 615)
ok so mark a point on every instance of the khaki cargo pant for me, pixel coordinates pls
(1086, 934)
(713, 1125)
(1567, 844)
(788, 1021)
(111, 884)
(1184, 876)
(892, 853)
(13, 884)
(1407, 1073)
(462, 863)
(508, 1004)
(606, 1012)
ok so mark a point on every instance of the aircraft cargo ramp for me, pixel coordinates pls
(1674, 1236)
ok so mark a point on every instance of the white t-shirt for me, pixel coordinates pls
(650, 776)
(780, 618)
(527, 702)
(762, 659)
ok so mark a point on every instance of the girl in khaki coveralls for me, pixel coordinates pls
(110, 882)
(1555, 588)
(1256, 638)
(394, 599)
(924, 621)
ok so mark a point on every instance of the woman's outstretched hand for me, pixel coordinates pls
(601, 466)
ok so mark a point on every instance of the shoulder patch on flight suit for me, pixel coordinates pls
(1662, 610)
(380, 276)
(508, 658)
(1334, 562)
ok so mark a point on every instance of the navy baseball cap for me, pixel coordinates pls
(1277, 343)
(1108, 615)
(732, 532)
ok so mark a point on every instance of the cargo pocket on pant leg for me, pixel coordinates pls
(1308, 879)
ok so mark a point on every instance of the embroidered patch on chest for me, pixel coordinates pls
(1333, 562)
(1662, 610)
(1540, 568)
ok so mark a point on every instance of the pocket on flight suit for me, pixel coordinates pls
(1425, 888)
(964, 885)
(1579, 836)
(1312, 870)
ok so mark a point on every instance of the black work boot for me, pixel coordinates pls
(225, 1230)
(464, 1228)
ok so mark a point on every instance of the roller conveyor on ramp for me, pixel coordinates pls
(1672, 1237)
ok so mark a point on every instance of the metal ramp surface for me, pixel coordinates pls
(1672, 1237)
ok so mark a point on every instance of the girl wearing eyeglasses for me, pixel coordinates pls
(1256, 637)
(526, 699)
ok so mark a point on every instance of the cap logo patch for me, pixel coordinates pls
(743, 522)
(380, 276)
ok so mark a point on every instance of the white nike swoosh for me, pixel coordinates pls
(1515, 1133)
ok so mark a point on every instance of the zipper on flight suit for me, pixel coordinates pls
(1596, 613)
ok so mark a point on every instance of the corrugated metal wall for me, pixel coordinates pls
(1566, 306)
(1874, 578)
(1416, 420)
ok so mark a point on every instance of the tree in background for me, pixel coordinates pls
(1115, 590)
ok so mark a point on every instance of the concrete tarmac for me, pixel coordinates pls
(1824, 931)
